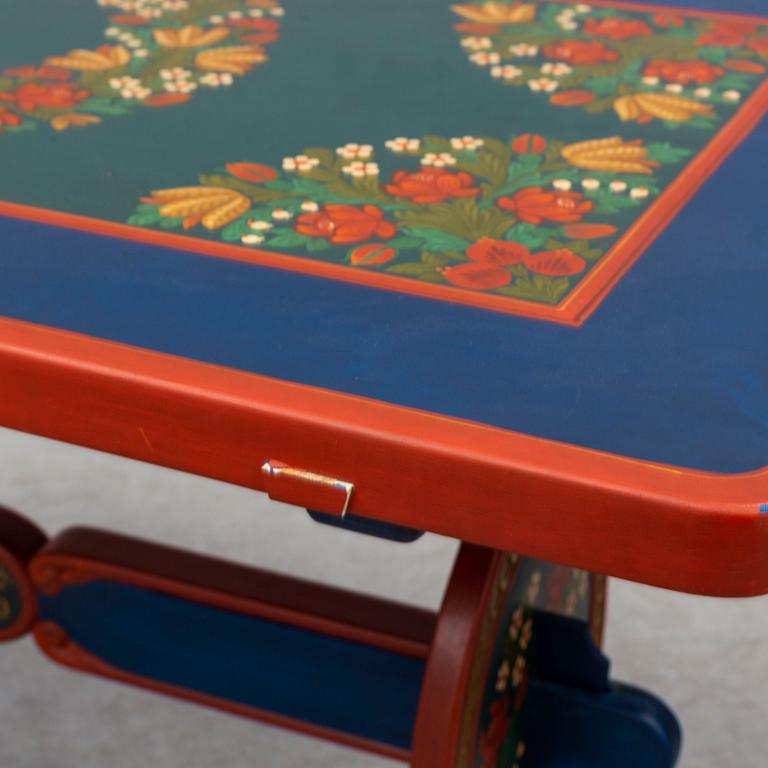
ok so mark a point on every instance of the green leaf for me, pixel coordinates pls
(315, 244)
(436, 240)
(412, 269)
(287, 239)
(405, 243)
(664, 152)
(105, 106)
(144, 218)
(172, 222)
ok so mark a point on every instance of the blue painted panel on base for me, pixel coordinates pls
(332, 683)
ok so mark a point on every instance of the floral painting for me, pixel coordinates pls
(523, 217)
(156, 53)
(640, 66)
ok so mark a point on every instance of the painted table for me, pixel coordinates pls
(494, 270)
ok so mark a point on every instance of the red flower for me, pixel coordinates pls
(263, 25)
(344, 224)
(129, 19)
(558, 263)
(477, 275)
(726, 34)
(431, 185)
(30, 96)
(589, 231)
(579, 52)
(534, 205)
(574, 98)
(493, 737)
(491, 251)
(8, 118)
(759, 45)
(41, 73)
(529, 143)
(668, 20)
(617, 29)
(165, 99)
(253, 172)
(683, 72)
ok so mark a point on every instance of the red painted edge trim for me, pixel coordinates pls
(682, 529)
(573, 310)
(54, 643)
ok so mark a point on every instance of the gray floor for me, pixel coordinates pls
(708, 658)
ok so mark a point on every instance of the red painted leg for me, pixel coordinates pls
(488, 604)
(19, 541)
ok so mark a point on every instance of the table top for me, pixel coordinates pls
(501, 265)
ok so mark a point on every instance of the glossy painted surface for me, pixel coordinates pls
(669, 369)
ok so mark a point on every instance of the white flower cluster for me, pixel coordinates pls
(466, 143)
(147, 9)
(401, 144)
(300, 163)
(556, 69)
(506, 71)
(567, 20)
(355, 151)
(617, 186)
(217, 79)
(132, 42)
(543, 84)
(254, 13)
(476, 43)
(485, 59)
(700, 93)
(524, 49)
(130, 87)
(438, 159)
(360, 169)
(177, 80)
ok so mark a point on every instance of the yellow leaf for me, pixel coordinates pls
(189, 37)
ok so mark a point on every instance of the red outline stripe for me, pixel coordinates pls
(573, 310)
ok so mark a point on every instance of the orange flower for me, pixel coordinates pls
(62, 122)
(190, 36)
(489, 251)
(345, 224)
(579, 52)
(617, 29)
(477, 275)
(431, 185)
(535, 205)
(726, 34)
(683, 72)
(557, 263)
(29, 96)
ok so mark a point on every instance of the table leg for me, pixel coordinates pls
(515, 676)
